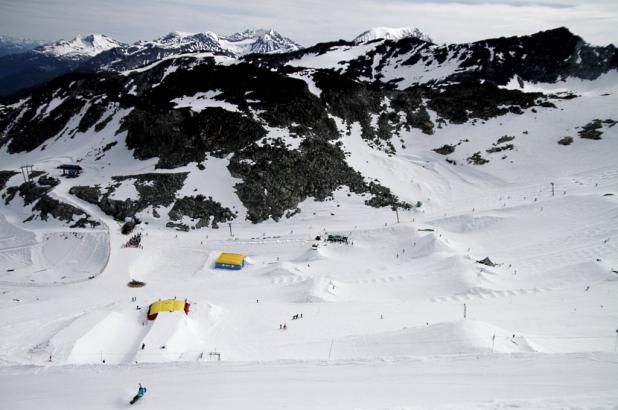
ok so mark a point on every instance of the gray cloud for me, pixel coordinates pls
(308, 22)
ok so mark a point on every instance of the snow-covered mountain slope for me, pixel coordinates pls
(19, 72)
(390, 33)
(480, 270)
(181, 111)
(98, 52)
(541, 57)
(258, 41)
(174, 44)
(79, 47)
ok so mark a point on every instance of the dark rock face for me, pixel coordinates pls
(486, 262)
(179, 137)
(446, 149)
(543, 57)
(592, 130)
(282, 101)
(37, 192)
(206, 211)
(4, 178)
(270, 187)
(477, 159)
(30, 192)
(566, 141)
(154, 190)
(63, 212)
(461, 102)
(48, 109)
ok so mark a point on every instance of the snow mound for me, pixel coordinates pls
(314, 254)
(113, 339)
(118, 336)
(429, 245)
(319, 290)
(447, 338)
(173, 336)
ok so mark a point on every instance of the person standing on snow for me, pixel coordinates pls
(140, 393)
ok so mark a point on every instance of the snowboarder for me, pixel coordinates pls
(140, 393)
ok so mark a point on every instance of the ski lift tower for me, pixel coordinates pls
(26, 170)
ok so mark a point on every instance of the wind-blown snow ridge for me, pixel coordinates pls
(388, 33)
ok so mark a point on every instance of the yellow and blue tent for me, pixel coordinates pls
(232, 261)
(167, 305)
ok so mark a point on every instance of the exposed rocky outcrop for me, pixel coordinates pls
(316, 169)
(446, 149)
(48, 206)
(207, 212)
(36, 192)
(593, 130)
(477, 159)
(486, 262)
(154, 190)
(4, 178)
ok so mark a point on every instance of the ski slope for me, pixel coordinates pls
(403, 317)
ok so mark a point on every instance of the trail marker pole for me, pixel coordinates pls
(230, 225)
(493, 342)
(332, 343)
(465, 311)
(552, 188)
(397, 213)
(616, 343)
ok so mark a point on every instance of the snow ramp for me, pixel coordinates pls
(172, 336)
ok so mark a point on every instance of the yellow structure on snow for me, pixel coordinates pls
(167, 305)
(230, 261)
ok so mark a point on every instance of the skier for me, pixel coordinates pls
(140, 393)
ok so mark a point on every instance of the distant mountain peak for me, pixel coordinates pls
(245, 42)
(80, 46)
(389, 33)
(263, 41)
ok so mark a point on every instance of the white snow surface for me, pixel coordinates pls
(402, 317)
(203, 100)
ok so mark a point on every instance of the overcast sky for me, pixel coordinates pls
(308, 22)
